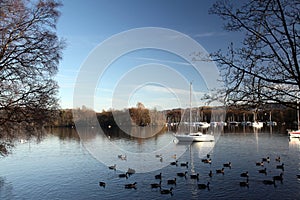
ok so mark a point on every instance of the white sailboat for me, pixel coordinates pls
(193, 136)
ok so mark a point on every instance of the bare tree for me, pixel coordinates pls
(265, 67)
(30, 52)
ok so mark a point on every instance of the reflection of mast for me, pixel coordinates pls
(190, 124)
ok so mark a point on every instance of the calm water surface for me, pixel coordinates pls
(60, 167)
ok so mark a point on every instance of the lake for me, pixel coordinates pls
(63, 165)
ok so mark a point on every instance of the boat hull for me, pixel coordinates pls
(295, 134)
(194, 137)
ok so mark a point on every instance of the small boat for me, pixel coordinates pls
(294, 134)
(257, 124)
(195, 137)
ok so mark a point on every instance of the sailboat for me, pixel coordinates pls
(193, 136)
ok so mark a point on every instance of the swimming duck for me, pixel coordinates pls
(166, 191)
(156, 185)
(244, 183)
(181, 174)
(172, 181)
(174, 163)
(219, 171)
(184, 164)
(269, 182)
(203, 186)
(277, 159)
(278, 178)
(102, 184)
(130, 171)
(280, 166)
(208, 161)
(131, 185)
(158, 176)
(260, 163)
(123, 175)
(263, 171)
(113, 167)
(267, 159)
(245, 174)
(227, 164)
(194, 176)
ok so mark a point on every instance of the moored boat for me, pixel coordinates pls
(295, 134)
(195, 137)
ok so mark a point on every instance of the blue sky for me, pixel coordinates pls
(86, 24)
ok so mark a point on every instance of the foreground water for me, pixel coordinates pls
(60, 167)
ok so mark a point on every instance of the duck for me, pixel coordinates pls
(102, 184)
(219, 171)
(158, 176)
(131, 185)
(207, 155)
(186, 164)
(156, 185)
(130, 171)
(123, 175)
(260, 163)
(298, 176)
(267, 159)
(278, 178)
(174, 156)
(210, 173)
(280, 166)
(208, 161)
(166, 191)
(194, 176)
(122, 157)
(203, 186)
(263, 171)
(244, 183)
(174, 163)
(245, 174)
(158, 155)
(227, 164)
(113, 167)
(172, 181)
(181, 174)
(277, 159)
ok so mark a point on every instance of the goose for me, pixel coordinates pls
(269, 182)
(194, 176)
(219, 171)
(280, 166)
(227, 164)
(174, 163)
(203, 186)
(172, 181)
(181, 174)
(244, 183)
(277, 159)
(263, 171)
(156, 185)
(267, 159)
(210, 173)
(123, 175)
(113, 167)
(260, 163)
(245, 174)
(184, 164)
(102, 184)
(166, 191)
(131, 185)
(278, 178)
(158, 176)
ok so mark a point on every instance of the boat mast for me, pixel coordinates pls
(190, 107)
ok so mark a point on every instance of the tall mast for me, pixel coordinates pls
(190, 107)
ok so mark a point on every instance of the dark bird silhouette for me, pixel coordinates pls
(123, 175)
(203, 186)
(277, 159)
(113, 167)
(167, 191)
(220, 171)
(194, 176)
(267, 159)
(263, 171)
(181, 174)
(260, 163)
(280, 166)
(156, 185)
(184, 164)
(172, 181)
(102, 184)
(227, 164)
(244, 183)
(158, 176)
(174, 163)
(269, 182)
(278, 178)
(245, 174)
(131, 185)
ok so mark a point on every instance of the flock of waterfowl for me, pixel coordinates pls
(171, 182)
